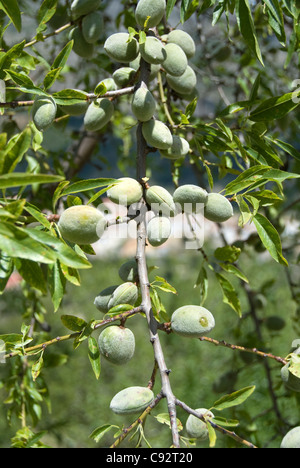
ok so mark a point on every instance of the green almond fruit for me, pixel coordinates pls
(184, 84)
(80, 46)
(218, 208)
(132, 400)
(192, 321)
(82, 224)
(160, 201)
(143, 104)
(117, 344)
(98, 114)
(43, 112)
(157, 134)
(123, 76)
(195, 427)
(129, 271)
(292, 439)
(184, 40)
(84, 7)
(126, 192)
(190, 198)
(291, 381)
(126, 293)
(102, 300)
(155, 9)
(92, 27)
(153, 50)
(179, 149)
(158, 230)
(175, 63)
(76, 109)
(121, 48)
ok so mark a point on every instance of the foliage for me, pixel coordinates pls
(242, 128)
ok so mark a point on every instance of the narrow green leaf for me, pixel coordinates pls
(6, 269)
(246, 178)
(170, 7)
(21, 179)
(57, 284)
(37, 367)
(269, 237)
(229, 253)
(234, 399)
(13, 154)
(202, 281)
(51, 77)
(69, 97)
(88, 184)
(211, 435)
(230, 296)
(94, 356)
(98, 433)
(11, 8)
(287, 148)
(45, 13)
(234, 270)
(246, 26)
(276, 20)
(100, 89)
(32, 273)
(274, 108)
(63, 56)
(73, 323)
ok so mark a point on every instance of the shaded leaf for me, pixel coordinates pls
(233, 399)
(269, 237)
(94, 356)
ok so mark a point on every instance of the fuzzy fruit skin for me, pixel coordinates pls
(176, 61)
(122, 76)
(82, 224)
(183, 84)
(192, 321)
(291, 439)
(118, 49)
(126, 192)
(160, 201)
(157, 134)
(117, 344)
(153, 8)
(196, 428)
(184, 40)
(218, 208)
(92, 27)
(143, 104)
(81, 47)
(98, 114)
(158, 230)
(132, 400)
(190, 198)
(179, 149)
(153, 51)
(43, 112)
(84, 7)
(126, 293)
(129, 271)
(102, 300)
(291, 381)
(76, 109)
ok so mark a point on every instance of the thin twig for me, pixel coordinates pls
(46, 36)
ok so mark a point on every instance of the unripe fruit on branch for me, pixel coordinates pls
(158, 230)
(143, 104)
(291, 439)
(176, 61)
(218, 208)
(76, 109)
(102, 300)
(123, 76)
(291, 381)
(184, 40)
(117, 344)
(44, 112)
(92, 27)
(195, 427)
(183, 84)
(160, 201)
(129, 271)
(153, 8)
(109, 84)
(157, 134)
(119, 49)
(81, 47)
(98, 114)
(153, 51)
(132, 400)
(191, 198)
(82, 224)
(126, 293)
(84, 7)
(192, 321)
(126, 192)
(179, 148)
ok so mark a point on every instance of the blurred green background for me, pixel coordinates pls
(200, 372)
